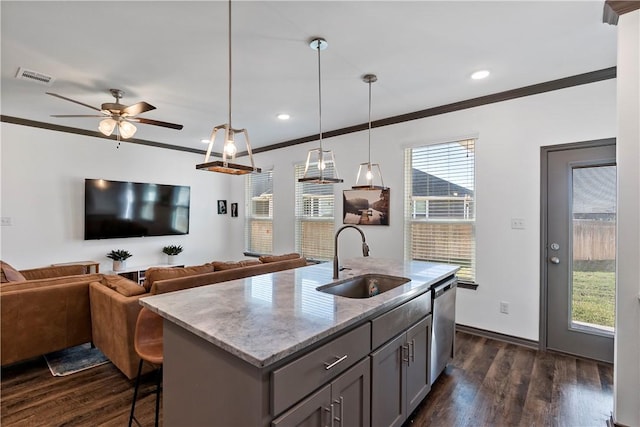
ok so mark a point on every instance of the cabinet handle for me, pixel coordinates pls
(412, 349)
(330, 411)
(405, 350)
(328, 366)
(340, 402)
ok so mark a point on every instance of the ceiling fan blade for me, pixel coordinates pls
(78, 115)
(139, 108)
(156, 123)
(72, 100)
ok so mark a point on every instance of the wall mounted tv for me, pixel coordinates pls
(116, 209)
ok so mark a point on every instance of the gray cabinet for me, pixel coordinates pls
(344, 402)
(400, 375)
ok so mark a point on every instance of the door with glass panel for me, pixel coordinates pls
(580, 247)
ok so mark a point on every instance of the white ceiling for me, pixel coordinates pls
(173, 55)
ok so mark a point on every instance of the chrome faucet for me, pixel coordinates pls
(365, 248)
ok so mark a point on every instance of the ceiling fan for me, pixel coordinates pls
(115, 114)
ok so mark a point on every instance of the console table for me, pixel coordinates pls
(136, 273)
(89, 266)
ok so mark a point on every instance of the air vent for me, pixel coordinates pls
(34, 76)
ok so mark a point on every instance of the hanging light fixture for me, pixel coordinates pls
(320, 167)
(367, 172)
(229, 149)
(126, 129)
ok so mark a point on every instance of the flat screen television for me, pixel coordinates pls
(116, 209)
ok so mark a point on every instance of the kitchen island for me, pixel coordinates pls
(245, 352)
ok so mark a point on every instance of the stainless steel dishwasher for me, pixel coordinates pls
(444, 326)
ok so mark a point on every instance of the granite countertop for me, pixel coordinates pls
(263, 319)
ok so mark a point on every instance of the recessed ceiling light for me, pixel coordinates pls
(205, 141)
(283, 116)
(479, 75)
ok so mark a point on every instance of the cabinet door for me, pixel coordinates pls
(388, 391)
(351, 396)
(314, 411)
(418, 372)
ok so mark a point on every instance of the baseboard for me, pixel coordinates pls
(612, 423)
(497, 336)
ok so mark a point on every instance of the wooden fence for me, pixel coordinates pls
(594, 240)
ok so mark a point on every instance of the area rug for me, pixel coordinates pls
(74, 359)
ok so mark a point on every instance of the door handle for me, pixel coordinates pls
(554, 260)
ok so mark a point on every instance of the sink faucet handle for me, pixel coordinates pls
(365, 249)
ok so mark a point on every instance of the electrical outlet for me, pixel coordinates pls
(5, 221)
(504, 307)
(517, 223)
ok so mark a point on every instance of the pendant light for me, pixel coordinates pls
(316, 169)
(367, 172)
(229, 148)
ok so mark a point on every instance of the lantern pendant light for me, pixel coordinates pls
(320, 167)
(367, 172)
(229, 148)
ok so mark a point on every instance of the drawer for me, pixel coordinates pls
(292, 382)
(390, 324)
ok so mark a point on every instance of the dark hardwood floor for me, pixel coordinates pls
(490, 383)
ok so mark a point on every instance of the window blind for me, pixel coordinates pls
(258, 229)
(314, 217)
(440, 205)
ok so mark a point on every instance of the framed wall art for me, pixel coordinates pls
(366, 206)
(222, 207)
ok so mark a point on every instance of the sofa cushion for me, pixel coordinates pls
(229, 265)
(275, 258)
(56, 281)
(161, 273)
(10, 274)
(122, 285)
(53, 271)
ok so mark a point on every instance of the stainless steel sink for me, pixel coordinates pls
(365, 286)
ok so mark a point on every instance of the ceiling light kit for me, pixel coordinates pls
(229, 148)
(368, 180)
(116, 115)
(316, 169)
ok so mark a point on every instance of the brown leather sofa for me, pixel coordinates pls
(115, 300)
(43, 310)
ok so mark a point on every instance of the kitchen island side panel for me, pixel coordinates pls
(204, 385)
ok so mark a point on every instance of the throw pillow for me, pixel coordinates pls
(122, 285)
(275, 258)
(10, 274)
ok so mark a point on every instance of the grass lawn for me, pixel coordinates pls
(594, 297)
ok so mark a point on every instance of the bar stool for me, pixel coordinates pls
(148, 345)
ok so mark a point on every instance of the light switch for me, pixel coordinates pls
(5, 221)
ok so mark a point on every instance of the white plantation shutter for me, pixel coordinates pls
(314, 218)
(258, 225)
(440, 205)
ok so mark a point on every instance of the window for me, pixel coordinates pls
(259, 219)
(314, 218)
(440, 205)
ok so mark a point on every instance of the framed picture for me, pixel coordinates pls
(222, 207)
(366, 206)
(234, 210)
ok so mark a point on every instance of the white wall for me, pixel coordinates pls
(43, 171)
(510, 135)
(43, 176)
(627, 351)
